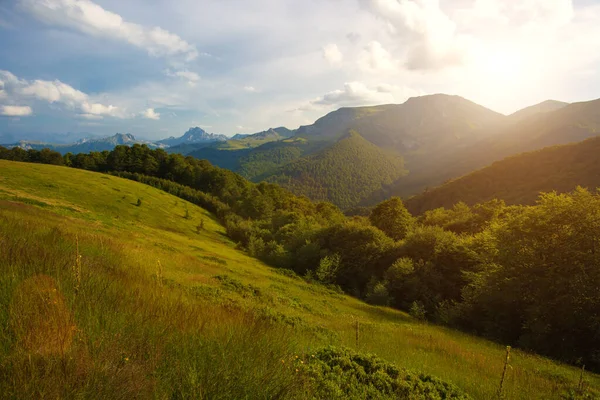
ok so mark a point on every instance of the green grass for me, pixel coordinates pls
(210, 322)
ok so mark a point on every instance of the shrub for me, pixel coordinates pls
(341, 373)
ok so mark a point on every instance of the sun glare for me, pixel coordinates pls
(503, 66)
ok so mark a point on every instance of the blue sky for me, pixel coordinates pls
(154, 68)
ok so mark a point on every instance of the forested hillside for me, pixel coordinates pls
(346, 173)
(519, 179)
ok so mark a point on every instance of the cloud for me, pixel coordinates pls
(375, 58)
(360, 94)
(90, 116)
(151, 114)
(191, 77)
(530, 14)
(16, 89)
(332, 54)
(353, 93)
(421, 26)
(90, 18)
(250, 89)
(353, 37)
(15, 111)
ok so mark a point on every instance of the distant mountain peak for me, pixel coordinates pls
(543, 107)
(194, 135)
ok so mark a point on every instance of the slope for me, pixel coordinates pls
(256, 163)
(570, 124)
(543, 107)
(519, 179)
(345, 173)
(204, 321)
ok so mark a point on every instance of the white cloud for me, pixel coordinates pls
(191, 77)
(429, 35)
(528, 14)
(90, 116)
(250, 89)
(360, 94)
(15, 111)
(54, 92)
(332, 54)
(151, 114)
(353, 94)
(375, 58)
(90, 18)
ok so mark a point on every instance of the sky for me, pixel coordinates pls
(154, 68)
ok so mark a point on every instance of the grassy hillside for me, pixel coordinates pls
(519, 179)
(345, 173)
(145, 304)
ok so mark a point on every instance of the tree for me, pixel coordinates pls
(392, 218)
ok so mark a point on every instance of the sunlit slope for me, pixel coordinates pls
(520, 179)
(201, 275)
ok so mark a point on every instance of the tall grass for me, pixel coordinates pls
(111, 331)
(207, 322)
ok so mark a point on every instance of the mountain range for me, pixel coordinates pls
(438, 137)
(358, 156)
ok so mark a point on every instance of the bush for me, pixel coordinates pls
(341, 373)
(417, 310)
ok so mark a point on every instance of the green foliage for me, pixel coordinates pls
(341, 373)
(328, 268)
(377, 293)
(347, 173)
(417, 310)
(392, 218)
(543, 279)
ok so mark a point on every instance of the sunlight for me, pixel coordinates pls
(502, 68)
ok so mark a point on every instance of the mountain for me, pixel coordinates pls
(420, 130)
(193, 135)
(570, 124)
(88, 144)
(519, 179)
(543, 107)
(236, 142)
(346, 173)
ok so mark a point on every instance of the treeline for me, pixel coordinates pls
(521, 275)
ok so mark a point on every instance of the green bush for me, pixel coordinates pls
(341, 373)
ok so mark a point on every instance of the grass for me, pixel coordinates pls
(215, 325)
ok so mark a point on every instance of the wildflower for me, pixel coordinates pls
(296, 369)
(283, 361)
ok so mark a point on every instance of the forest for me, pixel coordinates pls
(523, 275)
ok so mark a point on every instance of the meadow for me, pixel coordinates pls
(113, 289)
